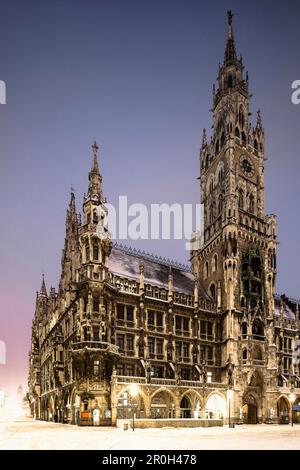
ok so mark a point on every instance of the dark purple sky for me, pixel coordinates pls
(137, 77)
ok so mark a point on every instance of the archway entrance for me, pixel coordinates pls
(215, 407)
(249, 410)
(162, 405)
(185, 408)
(283, 411)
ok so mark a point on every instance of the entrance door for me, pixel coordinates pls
(250, 414)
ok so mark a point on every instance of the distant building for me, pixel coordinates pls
(190, 339)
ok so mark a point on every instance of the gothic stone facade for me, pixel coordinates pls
(189, 339)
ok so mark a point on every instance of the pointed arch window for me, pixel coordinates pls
(95, 216)
(212, 291)
(230, 81)
(220, 204)
(215, 263)
(251, 204)
(241, 199)
(95, 251)
(87, 251)
(206, 270)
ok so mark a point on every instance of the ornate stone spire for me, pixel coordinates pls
(230, 52)
(95, 178)
(43, 290)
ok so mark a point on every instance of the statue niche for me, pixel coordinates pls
(252, 275)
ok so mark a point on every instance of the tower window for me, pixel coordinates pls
(230, 81)
(95, 216)
(88, 218)
(251, 204)
(96, 302)
(206, 270)
(255, 145)
(241, 199)
(95, 251)
(87, 251)
(215, 263)
(212, 291)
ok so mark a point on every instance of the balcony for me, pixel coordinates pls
(95, 345)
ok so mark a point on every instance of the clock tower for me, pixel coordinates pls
(235, 259)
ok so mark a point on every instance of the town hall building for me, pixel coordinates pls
(127, 332)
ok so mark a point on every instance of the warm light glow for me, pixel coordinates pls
(292, 397)
(133, 390)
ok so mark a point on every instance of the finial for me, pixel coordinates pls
(204, 140)
(230, 16)
(95, 149)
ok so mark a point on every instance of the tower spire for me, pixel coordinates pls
(95, 167)
(43, 290)
(230, 52)
(95, 178)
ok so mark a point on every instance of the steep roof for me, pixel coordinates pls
(125, 262)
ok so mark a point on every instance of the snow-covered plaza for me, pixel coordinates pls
(21, 432)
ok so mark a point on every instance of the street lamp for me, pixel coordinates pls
(292, 398)
(230, 396)
(133, 394)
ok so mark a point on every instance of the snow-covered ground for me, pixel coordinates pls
(20, 432)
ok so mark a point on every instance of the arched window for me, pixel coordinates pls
(215, 263)
(95, 216)
(217, 147)
(220, 174)
(206, 270)
(212, 291)
(255, 145)
(258, 329)
(241, 199)
(230, 81)
(88, 218)
(95, 251)
(237, 132)
(244, 328)
(251, 204)
(87, 251)
(211, 185)
(245, 354)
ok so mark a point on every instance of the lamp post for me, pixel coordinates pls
(230, 396)
(292, 398)
(133, 394)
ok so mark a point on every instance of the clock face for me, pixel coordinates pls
(247, 166)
